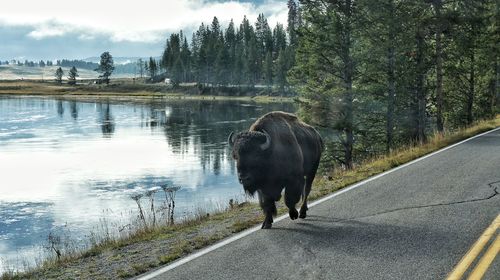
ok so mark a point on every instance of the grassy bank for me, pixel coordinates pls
(127, 89)
(147, 249)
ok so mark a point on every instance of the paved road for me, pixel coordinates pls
(414, 223)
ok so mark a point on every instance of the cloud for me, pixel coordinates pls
(138, 21)
(86, 37)
(54, 29)
(73, 44)
(49, 29)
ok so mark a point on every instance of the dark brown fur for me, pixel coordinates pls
(290, 162)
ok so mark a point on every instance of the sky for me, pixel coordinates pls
(57, 29)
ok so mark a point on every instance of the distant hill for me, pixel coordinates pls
(119, 60)
(15, 72)
(126, 68)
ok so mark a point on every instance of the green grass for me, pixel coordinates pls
(194, 234)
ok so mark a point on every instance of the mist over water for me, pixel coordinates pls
(69, 164)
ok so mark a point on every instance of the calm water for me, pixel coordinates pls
(69, 164)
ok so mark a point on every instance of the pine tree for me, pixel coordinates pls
(327, 64)
(140, 67)
(233, 56)
(490, 100)
(262, 33)
(152, 68)
(292, 22)
(386, 47)
(279, 39)
(222, 66)
(239, 64)
(59, 73)
(438, 10)
(268, 69)
(185, 55)
(230, 39)
(213, 45)
(260, 27)
(472, 47)
(106, 67)
(176, 72)
(72, 74)
(280, 71)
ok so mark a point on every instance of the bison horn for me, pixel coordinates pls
(230, 139)
(267, 144)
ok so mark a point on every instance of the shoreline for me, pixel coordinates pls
(126, 91)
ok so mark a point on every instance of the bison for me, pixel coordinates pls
(279, 151)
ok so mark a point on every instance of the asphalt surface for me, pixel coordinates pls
(414, 223)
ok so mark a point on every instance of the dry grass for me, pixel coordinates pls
(147, 249)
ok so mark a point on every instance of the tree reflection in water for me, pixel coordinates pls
(202, 126)
(74, 109)
(189, 126)
(60, 108)
(105, 119)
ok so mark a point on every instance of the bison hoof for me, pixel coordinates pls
(293, 214)
(302, 214)
(266, 225)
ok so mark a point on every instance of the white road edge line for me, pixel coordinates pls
(328, 197)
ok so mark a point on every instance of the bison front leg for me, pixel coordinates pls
(292, 195)
(269, 207)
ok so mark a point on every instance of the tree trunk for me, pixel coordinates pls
(439, 69)
(349, 143)
(470, 95)
(391, 82)
(420, 90)
(496, 85)
(495, 80)
(348, 96)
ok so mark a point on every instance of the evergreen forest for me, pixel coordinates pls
(374, 75)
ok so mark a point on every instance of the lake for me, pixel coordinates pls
(72, 166)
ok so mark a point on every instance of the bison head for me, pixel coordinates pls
(251, 150)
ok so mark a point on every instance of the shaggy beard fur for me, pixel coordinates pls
(250, 190)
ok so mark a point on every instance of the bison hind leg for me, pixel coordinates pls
(267, 224)
(303, 211)
(307, 190)
(292, 196)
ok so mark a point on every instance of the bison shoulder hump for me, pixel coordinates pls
(280, 115)
(274, 120)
